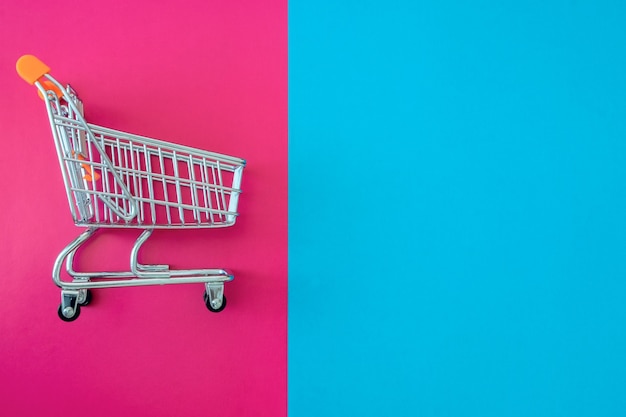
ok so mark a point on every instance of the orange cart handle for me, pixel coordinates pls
(31, 69)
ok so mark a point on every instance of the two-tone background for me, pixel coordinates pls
(433, 220)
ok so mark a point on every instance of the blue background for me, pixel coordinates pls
(457, 208)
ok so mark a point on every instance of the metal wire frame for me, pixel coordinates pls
(117, 179)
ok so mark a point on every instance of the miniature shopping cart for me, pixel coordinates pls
(119, 180)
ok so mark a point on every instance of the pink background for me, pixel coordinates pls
(208, 74)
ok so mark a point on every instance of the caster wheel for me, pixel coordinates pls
(73, 314)
(207, 302)
(83, 301)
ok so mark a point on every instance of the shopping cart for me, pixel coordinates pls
(120, 180)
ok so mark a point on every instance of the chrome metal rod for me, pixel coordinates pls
(56, 269)
(139, 282)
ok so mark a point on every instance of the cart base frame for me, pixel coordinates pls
(76, 293)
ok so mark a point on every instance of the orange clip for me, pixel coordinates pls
(89, 174)
(48, 85)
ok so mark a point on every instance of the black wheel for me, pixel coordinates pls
(207, 302)
(87, 299)
(73, 317)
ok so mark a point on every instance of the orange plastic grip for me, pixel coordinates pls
(30, 68)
